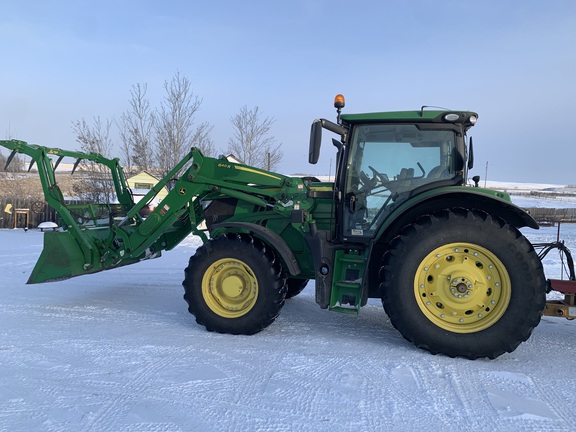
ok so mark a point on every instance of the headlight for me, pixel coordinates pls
(452, 117)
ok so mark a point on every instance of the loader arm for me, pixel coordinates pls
(96, 236)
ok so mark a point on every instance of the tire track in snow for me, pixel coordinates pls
(120, 396)
(310, 371)
(519, 399)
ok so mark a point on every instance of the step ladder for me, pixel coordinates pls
(349, 271)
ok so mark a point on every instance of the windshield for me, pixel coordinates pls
(385, 164)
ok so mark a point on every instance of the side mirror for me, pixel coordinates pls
(470, 155)
(316, 136)
(315, 141)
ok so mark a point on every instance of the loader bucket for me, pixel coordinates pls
(61, 258)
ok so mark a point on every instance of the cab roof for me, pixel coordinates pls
(420, 116)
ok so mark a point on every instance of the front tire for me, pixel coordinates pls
(234, 284)
(295, 287)
(463, 284)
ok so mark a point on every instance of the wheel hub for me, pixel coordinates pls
(232, 286)
(462, 287)
(229, 288)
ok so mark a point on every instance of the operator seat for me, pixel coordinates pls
(406, 174)
(438, 172)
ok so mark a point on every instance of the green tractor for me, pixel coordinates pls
(399, 223)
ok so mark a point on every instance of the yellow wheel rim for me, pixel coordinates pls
(462, 287)
(229, 288)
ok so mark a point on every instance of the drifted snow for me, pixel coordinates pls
(118, 351)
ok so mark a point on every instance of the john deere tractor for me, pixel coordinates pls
(399, 223)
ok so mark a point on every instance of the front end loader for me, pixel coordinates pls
(399, 223)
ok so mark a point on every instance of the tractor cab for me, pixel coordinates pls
(386, 158)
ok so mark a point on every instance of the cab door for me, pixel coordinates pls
(386, 162)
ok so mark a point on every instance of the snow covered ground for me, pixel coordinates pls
(118, 351)
(538, 195)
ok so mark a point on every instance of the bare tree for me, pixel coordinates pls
(97, 185)
(136, 127)
(95, 138)
(174, 126)
(203, 140)
(251, 142)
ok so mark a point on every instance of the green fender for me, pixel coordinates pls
(495, 203)
(271, 238)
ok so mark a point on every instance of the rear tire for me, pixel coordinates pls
(234, 284)
(463, 284)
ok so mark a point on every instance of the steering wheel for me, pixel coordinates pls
(383, 178)
(367, 183)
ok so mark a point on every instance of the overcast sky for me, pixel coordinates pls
(513, 62)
